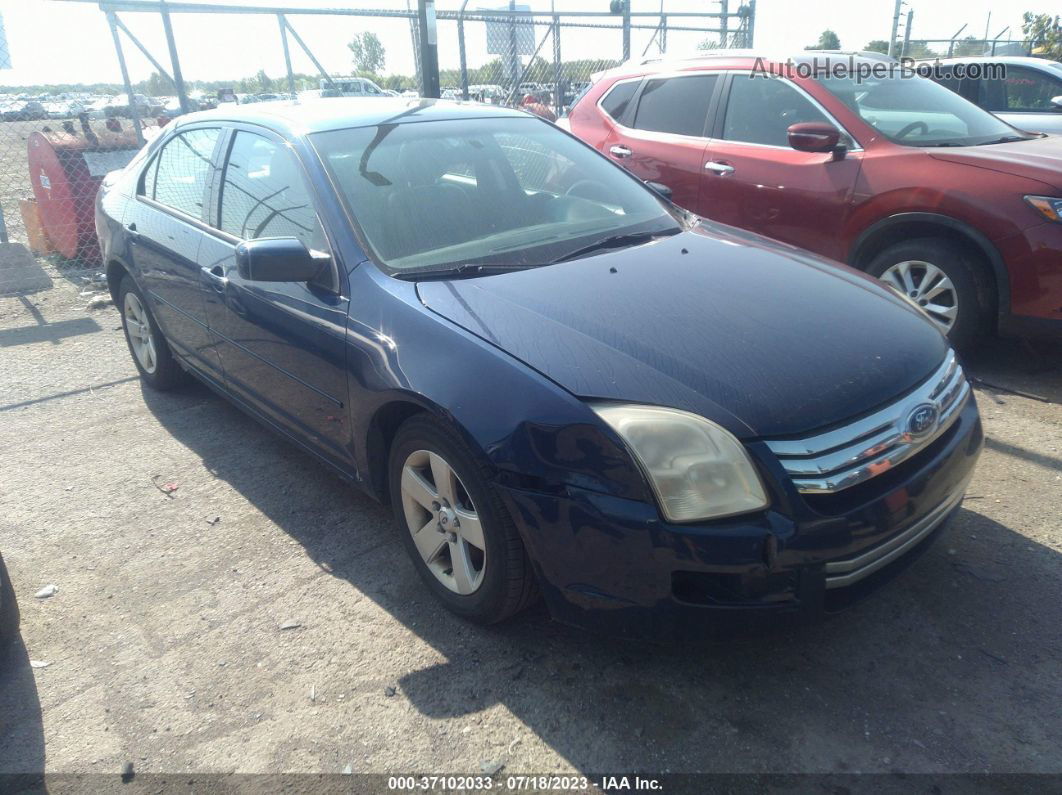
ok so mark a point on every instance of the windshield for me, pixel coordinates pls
(915, 111)
(515, 192)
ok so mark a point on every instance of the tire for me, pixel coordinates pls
(924, 260)
(159, 369)
(504, 583)
(9, 617)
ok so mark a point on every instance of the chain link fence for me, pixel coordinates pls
(962, 48)
(58, 140)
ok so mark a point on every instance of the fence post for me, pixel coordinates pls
(134, 114)
(461, 48)
(724, 22)
(662, 41)
(626, 30)
(287, 53)
(558, 71)
(429, 48)
(178, 79)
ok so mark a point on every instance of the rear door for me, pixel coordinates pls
(753, 178)
(165, 226)
(662, 135)
(282, 344)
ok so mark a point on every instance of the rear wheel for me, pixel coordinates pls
(151, 353)
(461, 539)
(942, 279)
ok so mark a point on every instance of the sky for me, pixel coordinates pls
(52, 41)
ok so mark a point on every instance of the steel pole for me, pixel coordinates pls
(626, 30)
(287, 53)
(461, 49)
(558, 71)
(175, 63)
(895, 28)
(133, 112)
(429, 48)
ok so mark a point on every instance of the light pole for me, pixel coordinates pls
(895, 27)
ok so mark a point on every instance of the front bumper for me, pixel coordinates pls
(613, 565)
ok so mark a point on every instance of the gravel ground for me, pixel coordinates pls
(166, 644)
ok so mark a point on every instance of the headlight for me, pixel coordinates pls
(1049, 207)
(697, 469)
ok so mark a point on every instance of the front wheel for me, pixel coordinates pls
(941, 278)
(151, 353)
(461, 539)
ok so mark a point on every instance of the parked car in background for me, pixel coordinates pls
(686, 424)
(64, 109)
(9, 617)
(898, 177)
(1029, 97)
(350, 87)
(24, 110)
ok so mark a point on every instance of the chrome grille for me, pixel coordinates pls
(841, 458)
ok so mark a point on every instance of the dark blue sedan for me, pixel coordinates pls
(559, 381)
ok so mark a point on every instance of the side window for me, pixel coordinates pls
(264, 194)
(676, 104)
(760, 110)
(619, 98)
(1030, 90)
(184, 172)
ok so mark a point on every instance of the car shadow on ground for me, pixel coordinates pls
(21, 722)
(953, 666)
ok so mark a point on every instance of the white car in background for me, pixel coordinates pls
(1030, 97)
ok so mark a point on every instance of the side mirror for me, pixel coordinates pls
(814, 136)
(660, 188)
(276, 259)
(1057, 102)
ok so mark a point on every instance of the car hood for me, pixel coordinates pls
(1039, 159)
(760, 337)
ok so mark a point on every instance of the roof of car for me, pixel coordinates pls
(717, 57)
(1015, 60)
(335, 113)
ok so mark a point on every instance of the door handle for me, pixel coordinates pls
(620, 151)
(131, 232)
(719, 168)
(216, 277)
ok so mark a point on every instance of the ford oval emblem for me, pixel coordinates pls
(922, 419)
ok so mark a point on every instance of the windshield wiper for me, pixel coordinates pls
(617, 241)
(1006, 139)
(456, 272)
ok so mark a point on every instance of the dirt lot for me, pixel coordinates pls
(165, 645)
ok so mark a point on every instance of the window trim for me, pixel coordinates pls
(153, 163)
(632, 111)
(633, 101)
(717, 132)
(213, 223)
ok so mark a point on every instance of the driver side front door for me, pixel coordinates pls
(282, 344)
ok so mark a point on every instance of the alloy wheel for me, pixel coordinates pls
(138, 329)
(443, 521)
(929, 287)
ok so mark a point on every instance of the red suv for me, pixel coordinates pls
(842, 155)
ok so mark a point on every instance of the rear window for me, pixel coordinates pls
(676, 105)
(617, 100)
